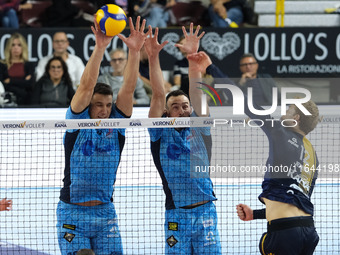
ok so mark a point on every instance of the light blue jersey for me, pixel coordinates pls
(91, 160)
(176, 154)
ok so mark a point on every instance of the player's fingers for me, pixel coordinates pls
(201, 35)
(156, 33)
(164, 43)
(143, 26)
(132, 28)
(191, 28)
(184, 31)
(122, 37)
(197, 30)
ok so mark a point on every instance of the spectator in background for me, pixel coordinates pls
(262, 84)
(226, 13)
(115, 79)
(75, 64)
(17, 72)
(5, 205)
(54, 88)
(154, 11)
(9, 10)
(62, 13)
(181, 70)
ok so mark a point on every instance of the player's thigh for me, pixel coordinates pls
(177, 233)
(282, 242)
(107, 240)
(71, 234)
(311, 240)
(72, 241)
(206, 239)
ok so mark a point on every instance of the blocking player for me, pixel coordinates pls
(190, 217)
(286, 194)
(86, 216)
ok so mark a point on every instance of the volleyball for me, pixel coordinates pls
(111, 19)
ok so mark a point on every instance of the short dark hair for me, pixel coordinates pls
(247, 55)
(102, 88)
(175, 93)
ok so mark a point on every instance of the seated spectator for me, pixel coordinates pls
(154, 11)
(62, 13)
(226, 13)
(75, 64)
(144, 74)
(262, 84)
(115, 79)
(17, 73)
(9, 12)
(54, 88)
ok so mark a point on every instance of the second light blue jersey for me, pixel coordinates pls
(92, 157)
(176, 154)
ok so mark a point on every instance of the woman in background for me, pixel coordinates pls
(54, 88)
(17, 72)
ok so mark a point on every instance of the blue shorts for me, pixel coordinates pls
(293, 236)
(88, 227)
(192, 231)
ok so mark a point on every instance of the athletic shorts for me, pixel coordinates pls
(192, 231)
(88, 227)
(293, 236)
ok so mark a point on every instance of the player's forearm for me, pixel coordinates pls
(131, 72)
(196, 94)
(156, 77)
(157, 103)
(91, 72)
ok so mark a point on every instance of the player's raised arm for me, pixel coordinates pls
(88, 80)
(152, 48)
(134, 42)
(197, 64)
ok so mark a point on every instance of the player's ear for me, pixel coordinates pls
(166, 112)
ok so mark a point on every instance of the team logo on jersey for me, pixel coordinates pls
(68, 226)
(208, 223)
(171, 241)
(69, 237)
(173, 226)
(293, 142)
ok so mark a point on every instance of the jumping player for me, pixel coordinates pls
(190, 217)
(86, 216)
(287, 194)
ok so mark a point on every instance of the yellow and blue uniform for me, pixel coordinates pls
(92, 157)
(296, 163)
(188, 229)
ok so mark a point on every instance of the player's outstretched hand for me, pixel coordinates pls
(244, 212)
(102, 41)
(5, 205)
(199, 61)
(137, 36)
(192, 40)
(152, 46)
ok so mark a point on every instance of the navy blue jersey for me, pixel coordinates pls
(176, 153)
(291, 166)
(91, 160)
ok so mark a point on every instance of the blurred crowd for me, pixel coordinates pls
(53, 80)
